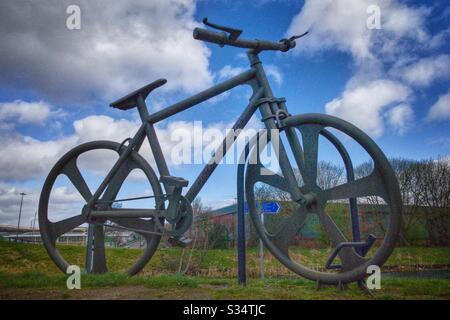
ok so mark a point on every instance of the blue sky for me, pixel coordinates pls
(56, 84)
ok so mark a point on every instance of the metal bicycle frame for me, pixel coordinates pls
(262, 99)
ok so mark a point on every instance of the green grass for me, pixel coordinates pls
(185, 287)
(20, 258)
(26, 272)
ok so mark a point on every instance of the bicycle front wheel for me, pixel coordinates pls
(325, 226)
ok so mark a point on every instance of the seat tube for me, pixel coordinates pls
(154, 142)
(267, 114)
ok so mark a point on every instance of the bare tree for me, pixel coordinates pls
(407, 172)
(376, 204)
(434, 180)
(329, 175)
(200, 234)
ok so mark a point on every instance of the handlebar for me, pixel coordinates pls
(222, 38)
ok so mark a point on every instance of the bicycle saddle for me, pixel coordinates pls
(130, 100)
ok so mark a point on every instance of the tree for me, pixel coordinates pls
(434, 181)
(200, 232)
(329, 175)
(376, 203)
(407, 172)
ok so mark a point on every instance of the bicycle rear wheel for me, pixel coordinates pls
(72, 174)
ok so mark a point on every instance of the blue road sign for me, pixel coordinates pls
(267, 207)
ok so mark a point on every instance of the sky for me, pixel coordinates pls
(56, 84)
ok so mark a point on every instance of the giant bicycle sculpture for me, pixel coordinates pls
(298, 153)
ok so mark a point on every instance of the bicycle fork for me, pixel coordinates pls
(271, 110)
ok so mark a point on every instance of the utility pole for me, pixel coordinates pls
(34, 220)
(20, 214)
(34, 223)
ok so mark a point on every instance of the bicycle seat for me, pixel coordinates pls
(130, 100)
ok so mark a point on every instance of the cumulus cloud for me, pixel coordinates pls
(400, 117)
(271, 70)
(229, 71)
(342, 24)
(426, 70)
(10, 202)
(25, 158)
(441, 109)
(65, 202)
(121, 46)
(274, 73)
(386, 59)
(365, 105)
(26, 112)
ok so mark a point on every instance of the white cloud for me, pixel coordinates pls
(364, 105)
(26, 112)
(342, 24)
(229, 71)
(272, 72)
(104, 127)
(427, 70)
(121, 46)
(400, 117)
(387, 58)
(10, 202)
(65, 202)
(441, 109)
(25, 158)
(440, 38)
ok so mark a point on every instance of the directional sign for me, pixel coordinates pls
(267, 207)
(271, 207)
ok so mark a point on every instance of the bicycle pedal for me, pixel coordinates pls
(179, 242)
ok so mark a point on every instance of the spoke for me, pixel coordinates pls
(348, 256)
(310, 138)
(297, 149)
(99, 261)
(289, 229)
(116, 182)
(61, 227)
(264, 175)
(136, 224)
(73, 173)
(371, 185)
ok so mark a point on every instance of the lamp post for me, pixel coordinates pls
(20, 214)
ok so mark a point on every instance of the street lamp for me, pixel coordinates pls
(20, 214)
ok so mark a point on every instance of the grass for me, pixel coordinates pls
(27, 272)
(20, 258)
(186, 287)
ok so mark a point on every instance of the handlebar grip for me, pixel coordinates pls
(222, 39)
(210, 36)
